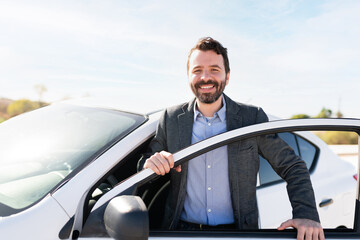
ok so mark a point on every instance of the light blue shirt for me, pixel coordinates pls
(208, 199)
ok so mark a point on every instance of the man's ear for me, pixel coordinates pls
(227, 78)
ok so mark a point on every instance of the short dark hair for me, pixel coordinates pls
(206, 44)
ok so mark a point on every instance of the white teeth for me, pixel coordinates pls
(207, 87)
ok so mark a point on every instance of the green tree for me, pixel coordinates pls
(301, 115)
(20, 106)
(324, 113)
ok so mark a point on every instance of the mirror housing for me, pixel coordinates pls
(126, 217)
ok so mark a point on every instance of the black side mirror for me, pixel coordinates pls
(126, 217)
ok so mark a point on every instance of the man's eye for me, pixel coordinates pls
(197, 71)
(215, 70)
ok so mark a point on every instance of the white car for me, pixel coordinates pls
(69, 172)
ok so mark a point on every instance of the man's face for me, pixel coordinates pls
(207, 77)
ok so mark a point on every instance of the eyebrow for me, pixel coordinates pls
(217, 66)
(199, 66)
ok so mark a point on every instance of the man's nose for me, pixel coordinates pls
(205, 76)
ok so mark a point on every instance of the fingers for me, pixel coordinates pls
(286, 224)
(160, 163)
(322, 235)
(306, 229)
(301, 234)
(178, 168)
(169, 157)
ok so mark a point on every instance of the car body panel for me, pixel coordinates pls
(44, 219)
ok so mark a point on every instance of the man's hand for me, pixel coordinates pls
(161, 163)
(306, 229)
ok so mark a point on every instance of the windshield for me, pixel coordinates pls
(39, 149)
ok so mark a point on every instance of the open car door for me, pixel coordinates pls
(122, 214)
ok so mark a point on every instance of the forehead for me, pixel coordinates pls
(205, 58)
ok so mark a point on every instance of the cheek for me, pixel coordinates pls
(219, 75)
(193, 79)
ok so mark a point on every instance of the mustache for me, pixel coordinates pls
(202, 82)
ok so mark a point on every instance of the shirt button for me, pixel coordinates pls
(209, 210)
(209, 124)
(209, 166)
(209, 188)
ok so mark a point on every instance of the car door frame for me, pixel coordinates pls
(128, 186)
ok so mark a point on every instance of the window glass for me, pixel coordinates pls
(290, 139)
(307, 151)
(266, 173)
(40, 149)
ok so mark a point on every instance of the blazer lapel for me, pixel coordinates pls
(185, 121)
(233, 121)
(233, 116)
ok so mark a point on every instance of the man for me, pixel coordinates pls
(230, 202)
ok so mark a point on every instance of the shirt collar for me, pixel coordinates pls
(221, 113)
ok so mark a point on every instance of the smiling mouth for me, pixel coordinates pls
(207, 86)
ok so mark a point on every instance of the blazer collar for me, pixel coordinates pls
(233, 114)
(185, 124)
(186, 119)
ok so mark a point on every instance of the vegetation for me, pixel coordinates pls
(332, 137)
(21, 106)
(298, 116)
(324, 113)
(10, 108)
(4, 103)
(336, 137)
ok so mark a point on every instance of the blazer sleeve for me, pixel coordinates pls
(292, 169)
(157, 144)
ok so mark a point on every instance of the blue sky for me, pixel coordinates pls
(287, 56)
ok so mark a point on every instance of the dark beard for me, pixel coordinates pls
(208, 98)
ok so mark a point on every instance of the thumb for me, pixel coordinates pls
(286, 224)
(178, 168)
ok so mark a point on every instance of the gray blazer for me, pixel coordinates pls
(174, 133)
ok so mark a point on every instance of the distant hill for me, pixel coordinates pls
(4, 103)
(17, 107)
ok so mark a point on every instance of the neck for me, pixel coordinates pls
(209, 109)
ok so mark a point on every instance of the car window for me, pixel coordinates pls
(307, 150)
(124, 169)
(302, 148)
(42, 148)
(290, 138)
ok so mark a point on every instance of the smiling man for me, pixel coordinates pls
(231, 201)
